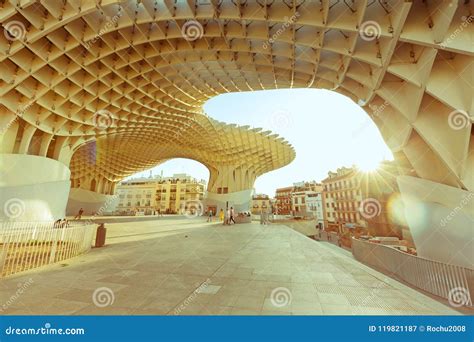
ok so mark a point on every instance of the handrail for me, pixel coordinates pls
(438, 278)
(28, 245)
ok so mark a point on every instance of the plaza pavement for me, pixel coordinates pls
(177, 265)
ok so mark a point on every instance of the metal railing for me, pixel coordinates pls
(437, 278)
(27, 245)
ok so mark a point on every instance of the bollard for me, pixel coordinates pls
(100, 236)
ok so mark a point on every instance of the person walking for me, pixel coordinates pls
(79, 214)
(232, 215)
(262, 220)
(209, 217)
(227, 217)
(221, 215)
(266, 215)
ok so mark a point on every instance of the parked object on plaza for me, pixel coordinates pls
(100, 235)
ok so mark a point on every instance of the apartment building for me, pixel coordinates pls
(342, 199)
(314, 204)
(261, 202)
(303, 198)
(283, 202)
(159, 194)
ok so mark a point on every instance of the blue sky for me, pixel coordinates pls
(327, 130)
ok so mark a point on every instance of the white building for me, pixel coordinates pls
(314, 205)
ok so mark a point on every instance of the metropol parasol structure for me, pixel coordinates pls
(94, 91)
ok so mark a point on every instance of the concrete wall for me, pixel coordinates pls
(240, 200)
(441, 220)
(32, 188)
(91, 202)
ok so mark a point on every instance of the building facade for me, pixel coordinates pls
(283, 202)
(303, 199)
(314, 202)
(160, 194)
(342, 199)
(261, 202)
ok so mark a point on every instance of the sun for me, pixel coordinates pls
(368, 165)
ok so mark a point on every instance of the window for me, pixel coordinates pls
(225, 190)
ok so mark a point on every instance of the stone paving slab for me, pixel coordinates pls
(190, 267)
